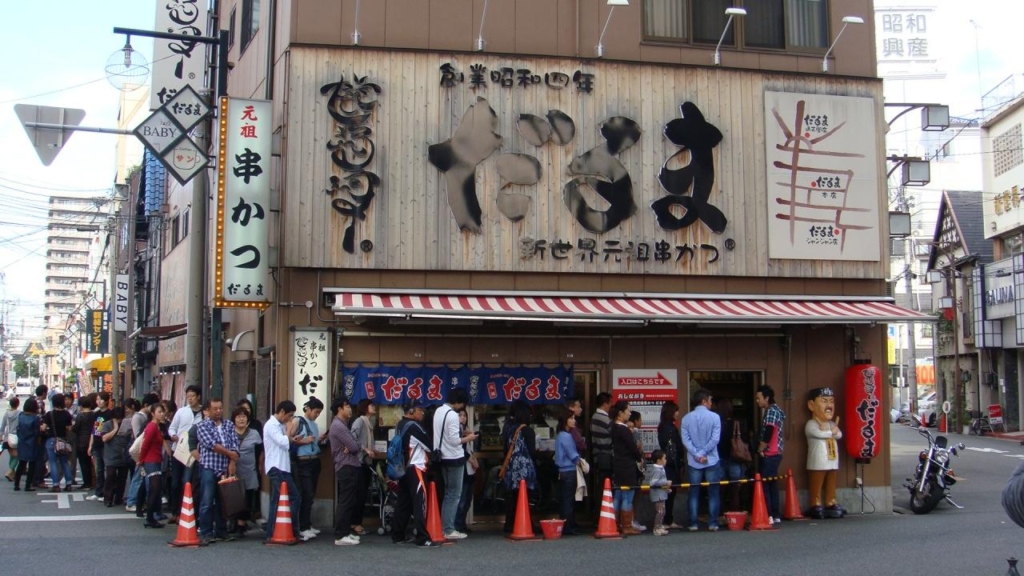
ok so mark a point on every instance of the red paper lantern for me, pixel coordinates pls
(863, 430)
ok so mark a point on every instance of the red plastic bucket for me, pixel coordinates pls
(552, 529)
(736, 520)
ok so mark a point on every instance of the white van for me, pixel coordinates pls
(24, 387)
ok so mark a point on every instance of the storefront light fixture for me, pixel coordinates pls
(356, 36)
(599, 49)
(946, 302)
(731, 13)
(847, 20)
(899, 224)
(916, 173)
(480, 43)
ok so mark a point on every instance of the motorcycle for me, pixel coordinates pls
(934, 477)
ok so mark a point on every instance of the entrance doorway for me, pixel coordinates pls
(736, 386)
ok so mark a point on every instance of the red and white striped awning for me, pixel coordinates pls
(593, 307)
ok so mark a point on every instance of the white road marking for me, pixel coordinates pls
(987, 450)
(64, 499)
(88, 517)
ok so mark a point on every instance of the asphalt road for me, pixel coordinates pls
(37, 536)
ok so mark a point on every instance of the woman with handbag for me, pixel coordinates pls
(250, 445)
(520, 442)
(57, 423)
(9, 435)
(29, 447)
(626, 458)
(117, 436)
(151, 458)
(671, 443)
(733, 452)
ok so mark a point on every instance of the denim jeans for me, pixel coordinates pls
(58, 462)
(567, 499)
(133, 489)
(307, 473)
(465, 503)
(695, 476)
(277, 477)
(769, 469)
(623, 500)
(211, 523)
(452, 494)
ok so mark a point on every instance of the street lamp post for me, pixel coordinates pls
(196, 290)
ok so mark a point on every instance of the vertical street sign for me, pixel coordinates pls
(48, 142)
(177, 63)
(243, 203)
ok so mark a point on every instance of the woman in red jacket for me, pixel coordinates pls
(151, 458)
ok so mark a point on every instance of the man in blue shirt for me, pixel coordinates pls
(218, 451)
(701, 430)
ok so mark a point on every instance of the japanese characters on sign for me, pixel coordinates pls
(589, 250)
(822, 178)
(177, 63)
(646, 391)
(508, 77)
(903, 34)
(311, 368)
(96, 332)
(243, 229)
(351, 105)
(430, 384)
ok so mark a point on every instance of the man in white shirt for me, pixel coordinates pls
(453, 457)
(278, 434)
(186, 417)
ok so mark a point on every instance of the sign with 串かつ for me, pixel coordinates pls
(311, 369)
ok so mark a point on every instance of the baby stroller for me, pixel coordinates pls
(384, 496)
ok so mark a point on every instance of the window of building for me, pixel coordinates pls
(773, 24)
(175, 231)
(1006, 150)
(231, 28)
(185, 219)
(250, 21)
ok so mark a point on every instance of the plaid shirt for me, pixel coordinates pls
(209, 435)
(773, 416)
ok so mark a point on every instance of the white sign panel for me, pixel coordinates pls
(177, 63)
(999, 289)
(822, 177)
(243, 228)
(121, 295)
(905, 34)
(311, 369)
(646, 391)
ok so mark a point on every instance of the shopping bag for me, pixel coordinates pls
(181, 451)
(232, 496)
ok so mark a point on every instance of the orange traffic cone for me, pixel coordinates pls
(792, 510)
(523, 528)
(283, 532)
(759, 516)
(187, 536)
(606, 527)
(434, 528)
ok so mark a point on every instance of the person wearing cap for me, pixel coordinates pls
(412, 500)
(822, 454)
(307, 463)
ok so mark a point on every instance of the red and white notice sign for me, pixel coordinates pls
(646, 391)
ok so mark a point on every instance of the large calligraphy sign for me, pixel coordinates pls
(431, 384)
(822, 177)
(311, 368)
(177, 63)
(243, 200)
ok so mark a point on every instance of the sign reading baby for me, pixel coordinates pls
(822, 454)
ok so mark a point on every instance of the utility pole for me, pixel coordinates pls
(908, 274)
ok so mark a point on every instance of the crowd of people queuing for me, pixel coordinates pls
(141, 453)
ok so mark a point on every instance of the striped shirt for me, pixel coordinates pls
(601, 432)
